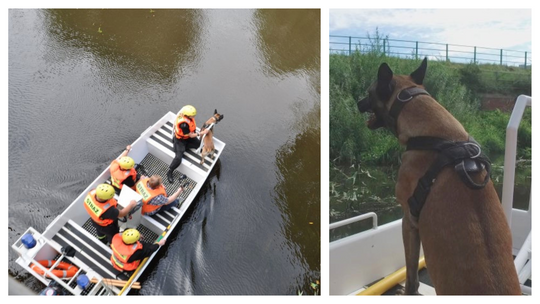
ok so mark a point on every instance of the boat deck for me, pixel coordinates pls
(97, 256)
(425, 288)
(153, 152)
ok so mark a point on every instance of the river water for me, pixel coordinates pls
(85, 83)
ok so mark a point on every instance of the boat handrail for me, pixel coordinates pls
(356, 219)
(510, 155)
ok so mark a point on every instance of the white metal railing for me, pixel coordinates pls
(351, 220)
(510, 155)
(522, 262)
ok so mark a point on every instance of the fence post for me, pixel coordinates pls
(384, 46)
(525, 65)
(501, 55)
(474, 60)
(350, 45)
(416, 50)
(447, 52)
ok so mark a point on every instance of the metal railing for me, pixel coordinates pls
(369, 215)
(419, 49)
(510, 153)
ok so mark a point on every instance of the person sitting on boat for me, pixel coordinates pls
(123, 171)
(128, 251)
(102, 208)
(185, 137)
(154, 196)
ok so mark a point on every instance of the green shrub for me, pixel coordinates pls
(363, 163)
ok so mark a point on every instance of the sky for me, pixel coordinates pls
(491, 28)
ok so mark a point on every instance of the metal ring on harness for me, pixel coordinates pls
(474, 145)
(404, 100)
(62, 270)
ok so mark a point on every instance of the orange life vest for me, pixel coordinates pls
(180, 120)
(122, 252)
(148, 194)
(118, 176)
(96, 208)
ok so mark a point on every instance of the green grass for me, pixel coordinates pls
(356, 151)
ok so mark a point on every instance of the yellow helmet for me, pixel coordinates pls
(126, 162)
(130, 236)
(188, 111)
(105, 192)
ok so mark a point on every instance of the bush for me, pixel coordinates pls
(364, 163)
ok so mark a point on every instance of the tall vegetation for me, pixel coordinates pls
(362, 160)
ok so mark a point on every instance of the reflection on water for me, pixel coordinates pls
(297, 194)
(143, 44)
(287, 39)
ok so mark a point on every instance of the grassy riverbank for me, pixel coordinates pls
(363, 163)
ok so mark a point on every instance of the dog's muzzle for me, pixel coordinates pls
(364, 105)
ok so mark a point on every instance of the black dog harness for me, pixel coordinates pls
(465, 156)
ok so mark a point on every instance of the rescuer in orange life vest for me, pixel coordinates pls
(102, 208)
(154, 196)
(128, 251)
(185, 137)
(123, 171)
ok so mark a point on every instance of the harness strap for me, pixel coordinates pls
(202, 139)
(466, 156)
(401, 100)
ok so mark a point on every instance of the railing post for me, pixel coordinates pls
(416, 50)
(510, 149)
(525, 65)
(384, 46)
(447, 52)
(350, 38)
(474, 60)
(501, 55)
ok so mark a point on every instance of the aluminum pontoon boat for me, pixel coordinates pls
(153, 152)
(372, 262)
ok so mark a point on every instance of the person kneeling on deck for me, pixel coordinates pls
(128, 251)
(123, 171)
(154, 196)
(102, 208)
(185, 137)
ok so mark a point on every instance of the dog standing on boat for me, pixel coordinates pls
(450, 205)
(208, 141)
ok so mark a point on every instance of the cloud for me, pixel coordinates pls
(496, 28)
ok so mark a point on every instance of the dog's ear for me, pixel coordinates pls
(384, 75)
(418, 75)
(385, 86)
(215, 111)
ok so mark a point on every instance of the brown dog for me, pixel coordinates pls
(208, 141)
(461, 225)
